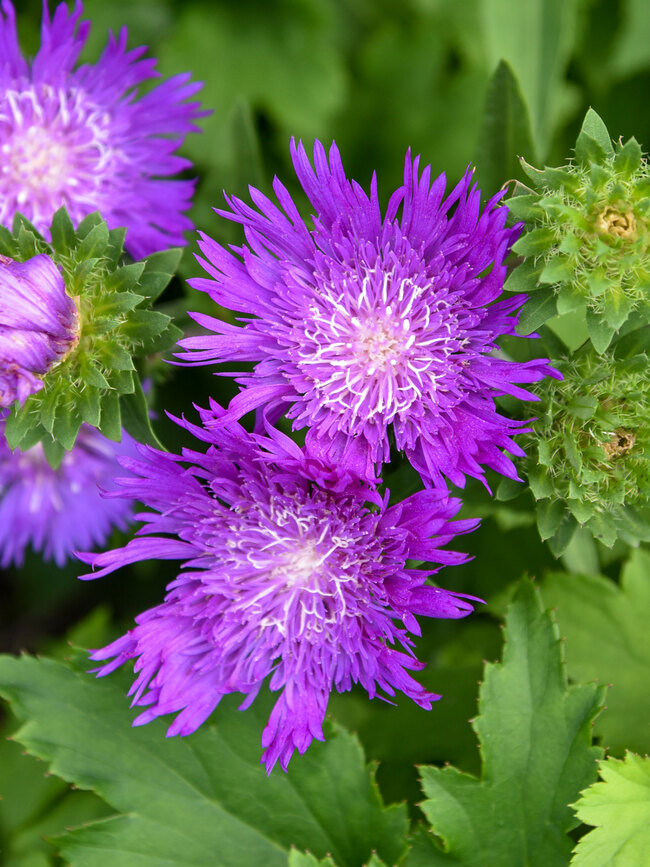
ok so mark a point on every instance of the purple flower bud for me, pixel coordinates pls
(39, 324)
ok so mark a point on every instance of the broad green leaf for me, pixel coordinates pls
(619, 807)
(199, 800)
(593, 606)
(631, 53)
(536, 39)
(535, 736)
(505, 132)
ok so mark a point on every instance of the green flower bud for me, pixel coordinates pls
(587, 244)
(97, 380)
(589, 455)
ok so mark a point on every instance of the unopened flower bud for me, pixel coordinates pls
(38, 325)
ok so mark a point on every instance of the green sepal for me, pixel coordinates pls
(537, 310)
(560, 540)
(618, 307)
(524, 278)
(62, 232)
(159, 270)
(628, 158)
(534, 243)
(556, 270)
(549, 517)
(540, 483)
(525, 207)
(594, 143)
(94, 243)
(136, 419)
(600, 332)
(110, 422)
(66, 425)
(53, 451)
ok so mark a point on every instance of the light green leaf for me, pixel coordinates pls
(537, 310)
(619, 807)
(594, 141)
(505, 132)
(198, 800)
(135, 417)
(589, 606)
(535, 735)
(536, 39)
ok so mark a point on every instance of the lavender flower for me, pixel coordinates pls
(59, 510)
(81, 138)
(38, 325)
(293, 569)
(366, 323)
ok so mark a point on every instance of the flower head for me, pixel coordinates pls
(293, 569)
(82, 138)
(367, 323)
(38, 325)
(56, 511)
(588, 235)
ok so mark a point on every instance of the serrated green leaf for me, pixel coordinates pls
(125, 278)
(163, 341)
(91, 374)
(594, 143)
(600, 332)
(539, 482)
(110, 420)
(7, 243)
(136, 418)
(524, 207)
(88, 224)
(203, 799)
(305, 859)
(89, 406)
(537, 310)
(505, 130)
(589, 606)
(117, 358)
(619, 807)
(582, 406)
(535, 735)
(143, 325)
(570, 299)
(18, 426)
(53, 451)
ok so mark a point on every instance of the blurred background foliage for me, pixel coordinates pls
(378, 76)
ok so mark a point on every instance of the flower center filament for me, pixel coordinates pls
(55, 149)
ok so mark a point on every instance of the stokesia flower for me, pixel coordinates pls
(293, 570)
(83, 138)
(366, 323)
(57, 511)
(39, 324)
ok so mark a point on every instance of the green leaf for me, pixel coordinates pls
(505, 131)
(618, 307)
(549, 517)
(66, 425)
(94, 243)
(302, 859)
(159, 269)
(136, 419)
(594, 143)
(589, 606)
(199, 800)
(600, 332)
(524, 278)
(535, 243)
(536, 38)
(110, 422)
(537, 310)
(535, 735)
(619, 807)
(62, 232)
(628, 158)
(560, 541)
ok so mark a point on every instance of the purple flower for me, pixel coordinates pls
(58, 511)
(293, 570)
(81, 138)
(38, 325)
(366, 323)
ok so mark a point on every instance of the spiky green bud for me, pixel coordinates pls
(97, 381)
(587, 244)
(589, 453)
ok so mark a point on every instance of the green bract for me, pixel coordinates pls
(97, 382)
(586, 248)
(589, 455)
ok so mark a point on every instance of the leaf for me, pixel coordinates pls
(536, 311)
(535, 735)
(136, 419)
(505, 131)
(600, 333)
(594, 142)
(62, 232)
(589, 606)
(535, 38)
(619, 807)
(199, 800)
